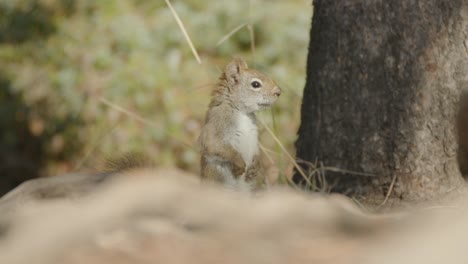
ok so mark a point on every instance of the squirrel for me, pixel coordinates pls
(462, 133)
(229, 137)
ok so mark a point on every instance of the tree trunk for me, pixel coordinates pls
(383, 84)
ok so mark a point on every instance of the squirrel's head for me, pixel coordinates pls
(249, 90)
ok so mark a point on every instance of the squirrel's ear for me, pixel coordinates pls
(234, 68)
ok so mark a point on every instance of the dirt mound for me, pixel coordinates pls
(167, 216)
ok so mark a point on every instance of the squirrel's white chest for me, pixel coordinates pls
(246, 138)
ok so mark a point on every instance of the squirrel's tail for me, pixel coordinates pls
(126, 162)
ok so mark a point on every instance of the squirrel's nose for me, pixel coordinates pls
(277, 91)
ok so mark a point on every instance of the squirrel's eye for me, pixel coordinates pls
(255, 84)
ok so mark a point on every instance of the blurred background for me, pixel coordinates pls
(83, 80)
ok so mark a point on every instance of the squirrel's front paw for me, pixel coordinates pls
(238, 167)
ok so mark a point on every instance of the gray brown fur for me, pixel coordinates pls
(229, 138)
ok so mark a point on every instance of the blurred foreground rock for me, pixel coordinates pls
(167, 216)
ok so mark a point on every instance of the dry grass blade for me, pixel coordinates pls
(390, 189)
(127, 112)
(182, 27)
(228, 35)
(138, 118)
(252, 39)
(466, 46)
(251, 29)
(334, 169)
(299, 169)
(266, 152)
(93, 147)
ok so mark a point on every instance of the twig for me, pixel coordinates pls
(181, 25)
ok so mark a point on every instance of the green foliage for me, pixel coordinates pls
(63, 56)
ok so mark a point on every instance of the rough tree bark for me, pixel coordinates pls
(383, 83)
